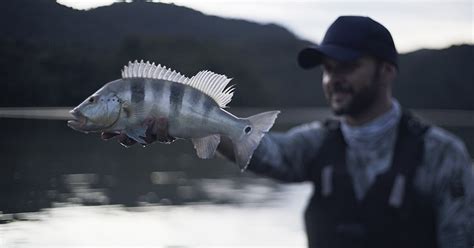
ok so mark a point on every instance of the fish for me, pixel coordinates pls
(193, 108)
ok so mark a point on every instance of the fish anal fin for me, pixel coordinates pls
(206, 146)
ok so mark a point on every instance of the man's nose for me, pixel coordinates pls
(331, 78)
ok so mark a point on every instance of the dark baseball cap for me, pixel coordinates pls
(347, 39)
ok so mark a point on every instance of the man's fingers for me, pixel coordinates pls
(126, 141)
(122, 138)
(149, 138)
(150, 132)
(107, 136)
(156, 130)
(161, 129)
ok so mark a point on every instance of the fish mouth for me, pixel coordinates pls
(79, 121)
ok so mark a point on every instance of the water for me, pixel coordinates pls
(272, 223)
(61, 188)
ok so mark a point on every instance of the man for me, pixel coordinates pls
(381, 177)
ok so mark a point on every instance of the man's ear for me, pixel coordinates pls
(389, 71)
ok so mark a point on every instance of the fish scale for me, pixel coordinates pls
(193, 108)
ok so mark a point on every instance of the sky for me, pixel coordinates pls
(414, 24)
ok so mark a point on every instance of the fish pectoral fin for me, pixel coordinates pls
(206, 146)
(126, 109)
(137, 133)
(133, 111)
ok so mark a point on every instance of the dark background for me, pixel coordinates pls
(52, 55)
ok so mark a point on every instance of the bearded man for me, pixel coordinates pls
(381, 177)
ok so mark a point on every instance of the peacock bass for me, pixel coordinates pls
(193, 108)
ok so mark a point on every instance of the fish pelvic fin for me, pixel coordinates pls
(206, 146)
(138, 134)
(252, 134)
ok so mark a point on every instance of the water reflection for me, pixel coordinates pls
(271, 223)
(44, 163)
(168, 187)
(77, 190)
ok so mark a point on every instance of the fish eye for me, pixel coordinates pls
(247, 129)
(91, 99)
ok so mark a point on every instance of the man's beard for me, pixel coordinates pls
(361, 100)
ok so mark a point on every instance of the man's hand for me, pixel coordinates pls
(122, 138)
(156, 130)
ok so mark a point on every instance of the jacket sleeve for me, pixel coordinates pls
(286, 156)
(453, 189)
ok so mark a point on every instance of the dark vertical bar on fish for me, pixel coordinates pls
(138, 90)
(176, 99)
(192, 108)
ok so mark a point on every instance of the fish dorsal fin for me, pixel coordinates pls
(146, 70)
(212, 84)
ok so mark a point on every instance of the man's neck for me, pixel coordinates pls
(377, 109)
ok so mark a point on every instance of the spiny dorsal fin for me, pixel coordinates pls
(210, 83)
(147, 70)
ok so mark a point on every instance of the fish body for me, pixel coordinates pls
(193, 108)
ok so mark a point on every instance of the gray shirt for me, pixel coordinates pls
(446, 166)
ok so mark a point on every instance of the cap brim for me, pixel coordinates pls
(313, 56)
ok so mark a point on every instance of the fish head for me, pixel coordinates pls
(97, 113)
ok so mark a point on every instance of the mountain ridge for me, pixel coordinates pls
(64, 48)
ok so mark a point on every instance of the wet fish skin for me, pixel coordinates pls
(193, 109)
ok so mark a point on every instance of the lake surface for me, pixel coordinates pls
(61, 188)
(274, 222)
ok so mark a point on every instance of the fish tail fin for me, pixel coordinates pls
(246, 143)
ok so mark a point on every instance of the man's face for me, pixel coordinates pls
(351, 87)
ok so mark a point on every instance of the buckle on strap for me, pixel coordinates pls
(326, 180)
(398, 191)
